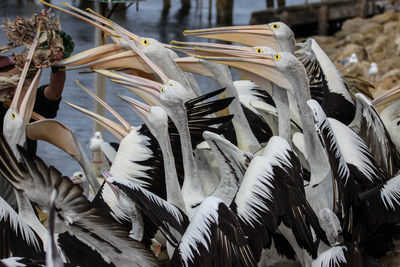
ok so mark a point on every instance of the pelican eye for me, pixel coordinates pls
(13, 115)
(277, 57)
(259, 51)
(170, 84)
(162, 89)
(275, 26)
(145, 42)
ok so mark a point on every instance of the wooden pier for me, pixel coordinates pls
(318, 17)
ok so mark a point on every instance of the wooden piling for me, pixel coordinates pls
(323, 17)
(166, 4)
(270, 3)
(210, 10)
(185, 5)
(224, 12)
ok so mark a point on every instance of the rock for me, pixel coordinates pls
(389, 80)
(355, 38)
(390, 15)
(392, 27)
(371, 28)
(379, 45)
(353, 48)
(350, 26)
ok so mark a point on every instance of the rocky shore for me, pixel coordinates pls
(375, 39)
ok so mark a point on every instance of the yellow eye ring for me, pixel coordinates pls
(275, 26)
(259, 51)
(145, 42)
(162, 89)
(277, 57)
(170, 84)
(13, 115)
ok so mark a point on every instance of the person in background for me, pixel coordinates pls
(48, 98)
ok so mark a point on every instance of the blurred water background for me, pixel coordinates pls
(147, 21)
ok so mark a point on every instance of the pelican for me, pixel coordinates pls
(37, 181)
(14, 129)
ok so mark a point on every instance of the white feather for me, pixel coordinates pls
(198, 230)
(331, 258)
(152, 197)
(390, 192)
(332, 75)
(7, 212)
(133, 148)
(255, 184)
(353, 148)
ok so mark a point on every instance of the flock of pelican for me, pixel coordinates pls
(290, 167)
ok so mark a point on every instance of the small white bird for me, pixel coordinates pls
(373, 71)
(348, 60)
(95, 147)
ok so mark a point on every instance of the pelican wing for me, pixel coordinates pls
(370, 127)
(37, 181)
(343, 255)
(20, 238)
(78, 253)
(213, 238)
(272, 192)
(257, 204)
(363, 167)
(163, 214)
(19, 261)
(307, 57)
(382, 203)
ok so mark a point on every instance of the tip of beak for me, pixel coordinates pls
(173, 42)
(185, 32)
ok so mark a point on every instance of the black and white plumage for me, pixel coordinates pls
(16, 235)
(163, 214)
(369, 211)
(213, 238)
(337, 101)
(37, 181)
(342, 255)
(272, 185)
(369, 126)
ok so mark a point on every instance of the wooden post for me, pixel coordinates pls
(270, 3)
(281, 3)
(100, 80)
(224, 12)
(362, 6)
(185, 5)
(323, 19)
(166, 4)
(210, 10)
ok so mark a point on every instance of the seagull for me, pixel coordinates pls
(373, 71)
(95, 147)
(349, 60)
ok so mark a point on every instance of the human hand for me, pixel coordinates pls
(69, 46)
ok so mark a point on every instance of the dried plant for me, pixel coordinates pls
(22, 32)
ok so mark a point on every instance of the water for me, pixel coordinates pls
(148, 22)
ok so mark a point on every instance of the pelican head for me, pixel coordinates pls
(276, 35)
(173, 93)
